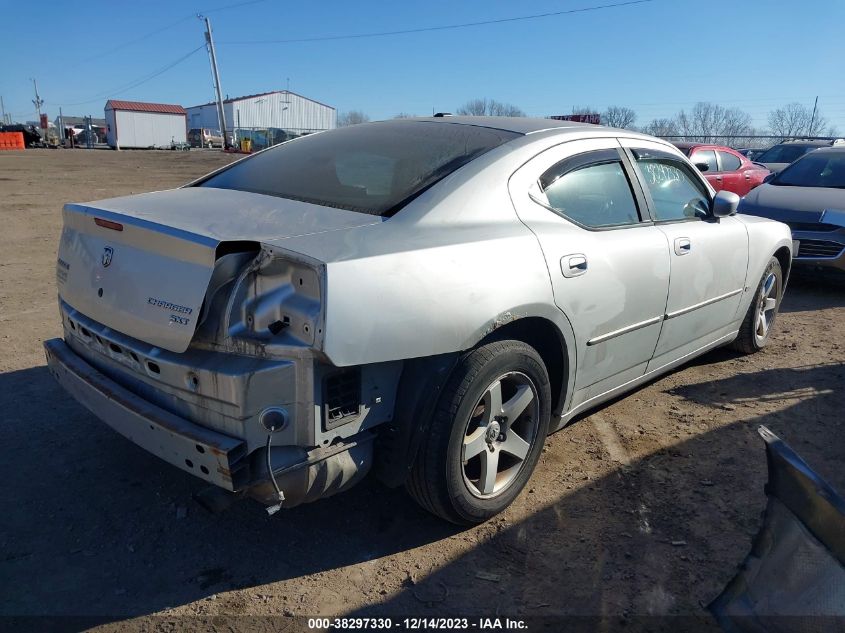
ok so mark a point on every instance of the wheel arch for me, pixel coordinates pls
(423, 379)
(784, 257)
(545, 337)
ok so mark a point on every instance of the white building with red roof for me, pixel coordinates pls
(135, 124)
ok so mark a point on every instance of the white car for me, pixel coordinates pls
(428, 298)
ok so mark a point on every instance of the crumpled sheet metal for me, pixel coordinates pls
(793, 580)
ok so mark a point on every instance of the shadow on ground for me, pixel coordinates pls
(640, 542)
(90, 523)
(809, 291)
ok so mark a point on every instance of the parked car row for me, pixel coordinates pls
(779, 156)
(724, 168)
(740, 171)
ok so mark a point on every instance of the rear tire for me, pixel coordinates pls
(756, 328)
(486, 434)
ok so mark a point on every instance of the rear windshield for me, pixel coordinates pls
(784, 153)
(373, 168)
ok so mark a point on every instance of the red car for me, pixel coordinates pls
(724, 167)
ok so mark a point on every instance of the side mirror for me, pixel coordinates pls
(769, 177)
(702, 166)
(724, 204)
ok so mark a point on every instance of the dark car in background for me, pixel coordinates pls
(809, 196)
(724, 168)
(779, 156)
(752, 153)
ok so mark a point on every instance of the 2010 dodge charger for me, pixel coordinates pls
(426, 298)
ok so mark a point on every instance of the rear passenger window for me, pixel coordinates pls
(595, 195)
(675, 192)
(729, 161)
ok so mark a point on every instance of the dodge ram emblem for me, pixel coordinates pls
(108, 252)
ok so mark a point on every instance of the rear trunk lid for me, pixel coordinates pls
(141, 265)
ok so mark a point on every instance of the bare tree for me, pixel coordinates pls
(618, 116)
(353, 117)
(795, 119)
(661, 127)
(489, 107)
(405, 115)
(709, 122)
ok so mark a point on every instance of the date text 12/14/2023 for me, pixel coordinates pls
(417, 624)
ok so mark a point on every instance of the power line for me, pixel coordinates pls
(232, 6)
(444, 27)
(137, 82)
(829, 98)
(137, 39)
(146, 36)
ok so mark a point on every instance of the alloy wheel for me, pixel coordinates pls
(499, 434)
(766, 307)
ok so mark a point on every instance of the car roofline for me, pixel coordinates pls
(515, 125)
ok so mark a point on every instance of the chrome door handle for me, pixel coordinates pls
(682, 245)
(573, 265)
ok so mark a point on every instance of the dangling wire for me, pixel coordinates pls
(271, 510)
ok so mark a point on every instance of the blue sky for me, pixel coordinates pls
(656, 57)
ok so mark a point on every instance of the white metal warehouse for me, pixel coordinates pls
(134, 124)
(280, 110)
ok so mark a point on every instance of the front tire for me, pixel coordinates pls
(486, 434)
(756, 328)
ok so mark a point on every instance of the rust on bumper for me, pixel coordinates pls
(212, 456)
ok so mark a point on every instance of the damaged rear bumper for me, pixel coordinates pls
(304, 475)
(209, 455)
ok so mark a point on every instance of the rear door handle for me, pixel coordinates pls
(573, 265)
(682, 245)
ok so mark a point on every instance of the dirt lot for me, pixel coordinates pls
(90, 525)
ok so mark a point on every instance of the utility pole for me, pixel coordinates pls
(813, 118)
(221, 114)
(38, 101)
(3, 109)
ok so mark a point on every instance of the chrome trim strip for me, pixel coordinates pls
(631, 384)
(682, 311)
(624, 330)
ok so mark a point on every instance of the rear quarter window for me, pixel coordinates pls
(730, 162)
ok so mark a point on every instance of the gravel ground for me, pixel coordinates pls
(645, 507)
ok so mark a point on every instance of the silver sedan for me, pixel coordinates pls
(423, 298)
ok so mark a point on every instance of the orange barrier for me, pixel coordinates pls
(11, 140)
